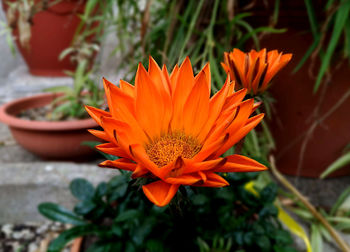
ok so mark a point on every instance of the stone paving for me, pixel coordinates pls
(25, 179)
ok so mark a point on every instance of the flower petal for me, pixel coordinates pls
(183, 87)
(239, 134)
(96, 113)
(112, 149)
(121, 163)
(149, 106)
(213, 180)
(160, 193)
(238, 163)
(195, 113)
(100, 134)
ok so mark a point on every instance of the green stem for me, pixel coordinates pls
(255, 142)
(267, 133)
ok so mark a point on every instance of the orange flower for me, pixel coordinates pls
(254, 70)
(167, 127)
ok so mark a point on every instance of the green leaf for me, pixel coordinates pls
(143, 231)
(56, 212)
(66, 236)
(84, 207)
(344, 195)
(118, 187)
(316, 238)
(269, 193)
(341, 16)
(82, 189)
(282, 237)
(264, 243)
(249, 238)
(154, 245)
(268, 210)
(302, 213)
(60, 89)
(101, 190)
(277, 248)
(337, 164)
(117, 229)
(127, 215)
(312, 17)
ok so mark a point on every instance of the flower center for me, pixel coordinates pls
(169, 147)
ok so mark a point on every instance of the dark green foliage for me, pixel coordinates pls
(198, 219)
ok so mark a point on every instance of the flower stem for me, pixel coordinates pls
(342, 244)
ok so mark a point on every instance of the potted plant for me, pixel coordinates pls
(42, 29)
(53, 125)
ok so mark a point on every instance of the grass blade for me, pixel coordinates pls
(337, 164)
(340, 20)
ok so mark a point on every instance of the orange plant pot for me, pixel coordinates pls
(295, 106)
(52, 31)
(49, 140)
(76, 246)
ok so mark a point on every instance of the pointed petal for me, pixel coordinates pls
(195, 113)
(118, 131)
(117, 99)
(239, 134)
(206, 70)
(188, 179)
(140, 171)
(112, 149)
(100, 134)
(210, 148)
(121, 163)
(160, 193)
(149, 106)
(183, 87)
(127, 88)
(157, 76)
(173, 79)
(215, 107)
(96, 113)
(205, 165)
(213, 180)
(238, 163)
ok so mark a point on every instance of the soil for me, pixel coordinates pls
(45, 114)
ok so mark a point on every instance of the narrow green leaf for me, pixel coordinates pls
(56, 212)
(337, 164)
(340, 19)
(316, 238)
(312, 18)
(60, 89)
(344, 195)
(191, 27)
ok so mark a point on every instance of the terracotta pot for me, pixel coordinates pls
(76, 245)
(52, 31)
(49, 140)
(295, 104)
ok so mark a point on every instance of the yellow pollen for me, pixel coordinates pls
(169, 147)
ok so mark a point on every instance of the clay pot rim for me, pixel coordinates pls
(13, 121)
